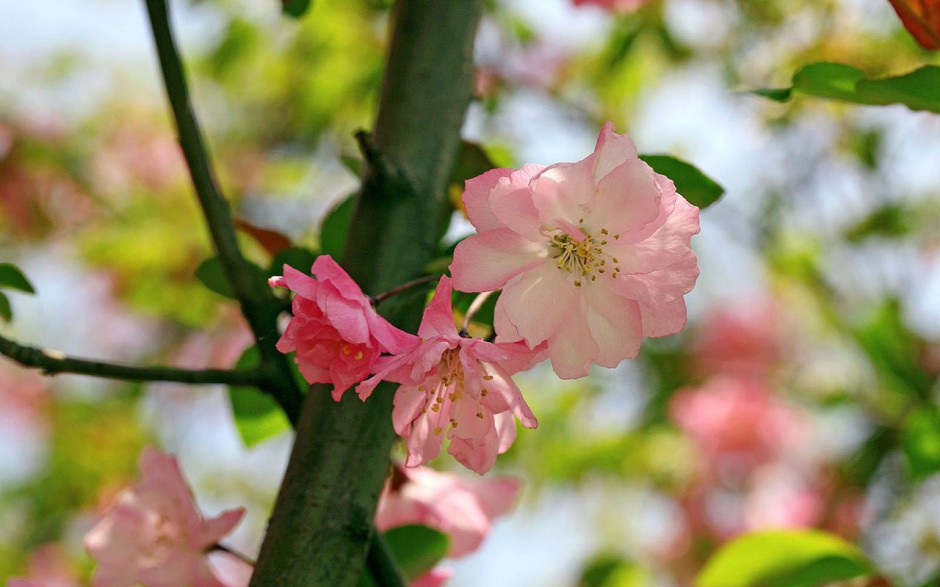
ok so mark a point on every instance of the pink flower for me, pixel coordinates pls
(436, 577)
(16, 582)
(461, 508)
(622, 6)
(154, 535)
(336, 332)
(591, 256)
(737, 422)
(740, 340)
(459, 385)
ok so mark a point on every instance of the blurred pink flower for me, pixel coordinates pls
(336, 332)
(744, 339)
(780, 497)
(459, 385)
(459, 507)
(737, 422)
(591, 256)
(154, 535)
(622, 6)
(436, 577)
(17, 582)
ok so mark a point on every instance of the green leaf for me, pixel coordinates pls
(352, 163)
(920, 440)
(12, 278)
(696, 187)
(918, 89)
(472, 161)
(417, 548)
(6, 312)
(335, 226)
(784, 558)
(828, 80)
(775, 94)
(257, 415)
(295, 8)
(210, 274)
(297, 257)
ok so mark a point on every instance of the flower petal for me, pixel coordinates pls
(486, 261)
(538, 302)
(663, 319)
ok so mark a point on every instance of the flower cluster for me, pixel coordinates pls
(590, 257)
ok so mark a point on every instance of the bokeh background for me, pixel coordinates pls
(801, 394)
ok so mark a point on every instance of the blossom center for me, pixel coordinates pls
(582, 255)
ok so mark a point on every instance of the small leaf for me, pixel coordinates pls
(272, 240)
(6, 312)
(784, 558)
(918, 89)
(257, 415)
(297, 257)
(295, 8)
(775, 94)
(472, 161)
(335, 226)
(920, 440)
(417, 548)
(210, 274)
(696, 187)
(828, 80)
(12, 278)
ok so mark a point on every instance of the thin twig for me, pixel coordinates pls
(379, 298)
(258, 304)
(53, 362)
(475, 306)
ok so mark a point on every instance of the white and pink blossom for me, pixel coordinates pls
(459, 507)
(154, 534)
(591, 256)
(455, 386)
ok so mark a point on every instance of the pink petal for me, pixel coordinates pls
(328, 270)
(300, 283)
(662, 285)
(505, 431)
(611, 150)
(476, 199)
(615, 324)
(408, 405)
(572, 348)
(538, 302)
(511, 202)
(497, 496)
(222, 525)
(664, 246)
(476, 453)
(347, 316)
(438, 319)
(486, 261)
(563, 191)
(663, 319)
(628, 198)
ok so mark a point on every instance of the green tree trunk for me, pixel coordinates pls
(321, 526)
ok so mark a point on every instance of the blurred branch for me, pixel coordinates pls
(53, 362)
(258, 304)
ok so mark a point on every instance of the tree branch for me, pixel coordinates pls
(258, 304)
(53, 362)
(319, 532)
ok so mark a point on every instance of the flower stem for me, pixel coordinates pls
(473, 309)
(379, 298)
(53, 362)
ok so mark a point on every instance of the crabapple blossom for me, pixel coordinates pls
(591, 256)
(154, 535)
(461, 386)
(737, 422)
(336, 332)
(461, 508)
